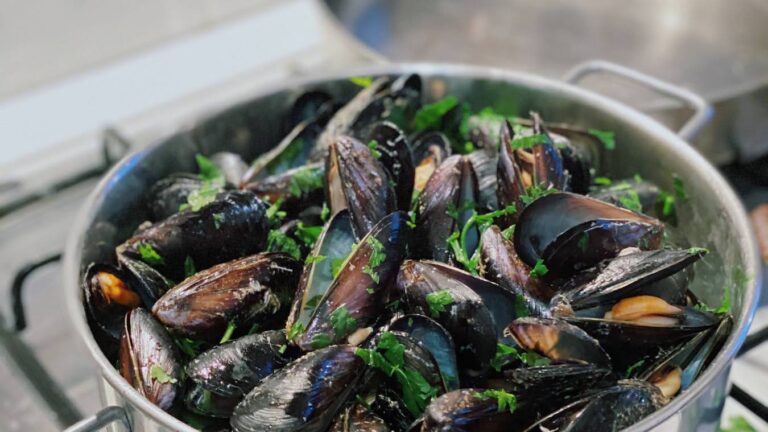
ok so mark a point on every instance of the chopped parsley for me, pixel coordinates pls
(603, 181)
(337, 264)
(342, 322)
(189, 267)
(633, 367)
(274, 214)
(667, 204)
(362, 81)
(373, 146)
(149, 255)
(312, 259)
(308, 234)
(679, 188)
(698, 251)
(188, 346)
(282, 348)
(438, 301)
(533, 359)
(505, 401)
(430, 115)
(218, 219)
(526, 142)
(325, 213)
(388, 357)
(278, 241)
(320, 340)
(534, 192)
(376, 259)
(213, 183)
(539, 269)
(207, 169)
(457, 241)
(370, 290)
(505, 355)
(305, 181)
(228, 332)
(296, 330)
(630, 200)
(157, 373)
(508, 232)
(606, 137)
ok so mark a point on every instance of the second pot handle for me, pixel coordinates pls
(96, 422)
(702, 109)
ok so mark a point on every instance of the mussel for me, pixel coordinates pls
(557, 340)
(471, 410)
(357, 418)
(293, 190)
(107, 297)
(169, 194)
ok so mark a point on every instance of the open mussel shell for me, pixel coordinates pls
(148, 283)
(484, 163)
(466, 410)
(107, 297)
(620, 191)
(466, 317)
(625, 274)
(255, 289)
(434, 338)
(416, 358)
(510, 187)
(331, 249)
(445, 205)
(571, 232)
(390, 146)
(170, 193)
(502, 265)
(357, 418)
(547, 170)
(357, 181)
(303, 396)
(577, 162)
(233, 225)
(616, 407)
(357, 294)
(149, 360)
(204, 402)
(558, 340)
(233, 369)
(296, 188)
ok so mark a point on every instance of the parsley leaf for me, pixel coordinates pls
(188, 346)
(630, 200)
(337, 264)
(376, 259)
(218, 219)
(362, 81)
(526, 142)
(631, 369)
(373, 146)
(342, 322)
(320, 340)
(312, 259)
(157, 373)
(296, 330)
(213, 183)
(504, 400)
(606, 137)
(430, 115)
(189, 267)
(505, 354)
(539, 269)
(603, 181)
(679, 188)
(534, 192)
(325, 213)
(274, 214)
(208, 170)
(305, 181)
(698, 251)
(228, 332)
(308, 234)
(533, 359)
(278, 241)
(438, 301)
(149, 255)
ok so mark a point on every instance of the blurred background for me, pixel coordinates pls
(82, 82)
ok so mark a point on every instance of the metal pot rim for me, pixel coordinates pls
(629, 115)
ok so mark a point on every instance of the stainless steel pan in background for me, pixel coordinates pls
(716, 48)
(713, 217)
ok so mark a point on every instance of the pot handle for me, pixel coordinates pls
(96, 422)
(702, 109)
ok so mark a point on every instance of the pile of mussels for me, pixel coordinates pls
(393, 265)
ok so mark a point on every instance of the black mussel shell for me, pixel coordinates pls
(484, 164)
(390, 146)
(467, 410)
(445, 205)
(558, 340)
(149, 283)
(416, 358)
(331, 249)
(548, 170)
(235, 368)
(572, 232)
(577, 162)
(107, 298)
(204, 402)
(355, 180)
(169, 194)
(434, 338)
(501, 264)
(430, 149)
(466, 317)
(307, 106)
(622, 192)
(296, 189)
(149, 360)
(388, 404)
(303, 396)
(357, 418)
(254, 289)
(233, 225)
(626, 273)
(510, 187)
(356, 297)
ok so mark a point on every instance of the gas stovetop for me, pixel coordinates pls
(48, 378)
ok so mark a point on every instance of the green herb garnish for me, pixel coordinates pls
(213, 183)
(320, 340)
(603, 181)
(376, 259)
(539, 269)
(342, 322)
(533, 359)
(308, 234)
(325, 213)
(634, 366)
(606, 137)
(274, 214)
(505, 401)
(282, 348)
(218, 219)
(679, 188)
(296, 330)
(698, 251)
(207, 169)
(336, 265)
(362, 81)
(438, 301)
(305, 181)
(278, 241)
(188, 346)
(534, 192)
(312, 259)
(457, 241)
(373, 146)
(526, 142)
(430, 115)
(508, 232)
(149, 255)
(189, 267)
(228, 332)
(505, 354)
(157, 373)
(631, 200)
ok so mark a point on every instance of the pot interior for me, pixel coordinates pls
(711, 217)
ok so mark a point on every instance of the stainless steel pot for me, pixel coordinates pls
(713, 217)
